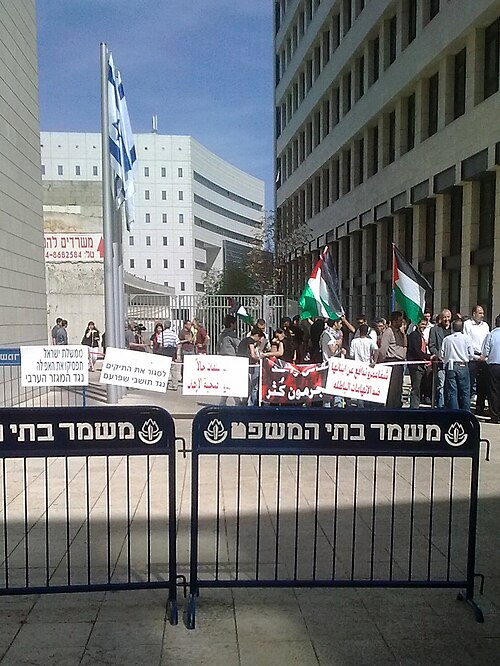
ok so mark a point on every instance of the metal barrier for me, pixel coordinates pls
(76, 500)
(13, 394)
(333, 498)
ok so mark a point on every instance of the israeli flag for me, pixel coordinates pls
(121, 145)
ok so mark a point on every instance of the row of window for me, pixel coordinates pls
(163, 172)
(395, 133)
(95, 171)
(182, 263)
(164, 218)
(78, 170)
(382, 52)
(164, 197)
(131, 240)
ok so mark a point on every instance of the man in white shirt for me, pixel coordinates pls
(456, 352)
(330, 344)
(491, 354)
(477, 329)
(363, 349)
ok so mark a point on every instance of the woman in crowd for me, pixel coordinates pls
(277, 345)
(91, 339)
(156, 338)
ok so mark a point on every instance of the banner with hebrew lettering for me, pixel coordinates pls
(352, 379)
(134, 369)
(287, 384)
(55, 365)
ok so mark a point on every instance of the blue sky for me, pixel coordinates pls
(205, 67)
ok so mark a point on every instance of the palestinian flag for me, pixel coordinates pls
(240, 311)
(320, 297)
(409, 287)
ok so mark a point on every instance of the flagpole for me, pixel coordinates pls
(107, 219)
(393, 293)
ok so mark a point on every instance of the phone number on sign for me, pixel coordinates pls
(70, 254)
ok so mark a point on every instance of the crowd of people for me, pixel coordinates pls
(451, 360)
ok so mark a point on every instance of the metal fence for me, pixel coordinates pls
(316, 499)
(13, 394)
(101, 516)
(148, 309)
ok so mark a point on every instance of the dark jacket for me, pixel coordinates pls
(436, 336)
(414, 351)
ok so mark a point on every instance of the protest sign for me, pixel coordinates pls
(215, 375)
(286, 383)
(133, 369)
(352, 379)
(55, 365)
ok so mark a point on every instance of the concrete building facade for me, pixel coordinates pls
(22, 269)
(387, 131)
(194, 211)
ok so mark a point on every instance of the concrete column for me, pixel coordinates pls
(474, 87)
(470, 237)
(363, 236)
(442, 249)
(418, 250)
(496, 251)
(366, 54)
(398, 233)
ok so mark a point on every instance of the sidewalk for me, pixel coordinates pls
(264, 627)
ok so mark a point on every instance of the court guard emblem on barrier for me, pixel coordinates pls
(150, 433)
(456, 435)
(215, 432)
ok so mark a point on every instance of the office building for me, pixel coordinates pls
(194, 211)
(387, 131)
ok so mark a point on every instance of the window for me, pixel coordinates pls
(432, 122)
(146, 172)
(147, 218)
(375, 57)
(131, 240)
(183, 286)
(393, 31)
(132, 263)
(361, 77)
(374, 150)
(347, 15)
(43, 169)
(164, 218)
(60, 170)
(491, 58)
(410, 122)
(433, 8)
(430, 230)
(347, 93)
(148, 240)
(165, 240)
(179, 172)
(456, 218)
(361, 161)
(95, 171)
(181, 218)
(181, 263)
(148, 263)
(77, 170)
(486, 212)
(347, 170)
(181, 195)
(164, 172)
(391, 139)
(165, 263)
(181, 240)
(459, 84)
(412, 20)
(164, 195)
(147, 195)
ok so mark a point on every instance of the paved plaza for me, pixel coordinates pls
(245, 626)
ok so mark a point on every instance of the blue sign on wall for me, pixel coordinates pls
(10, 356)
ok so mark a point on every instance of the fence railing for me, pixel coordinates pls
(87, 501)
(318, 499)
